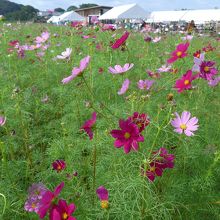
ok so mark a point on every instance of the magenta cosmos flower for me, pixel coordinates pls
(180, 52)
(87, 127)
(207, 70)
(120, 41)
(62, 211)
(185, 82)
(102, 193)
(185, 124)
(141, 120)
(145, 84)
(128, 136)
(47, 200)
(124, 88)
(119, 69)
(77, 70)
(2, 120)
(59, 165)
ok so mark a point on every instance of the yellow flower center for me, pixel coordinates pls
(179, 53)
(65, 216)
(127, 135)
(104, 204)
(152, 169)
(139, 124)
(183, 126)
(33, 205)
(186, 82)
(206, 69)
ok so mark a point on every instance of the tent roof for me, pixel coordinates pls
(130, 11)
(199, 16)
(71, 16)
(53, 19)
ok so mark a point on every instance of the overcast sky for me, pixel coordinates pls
(148, 5)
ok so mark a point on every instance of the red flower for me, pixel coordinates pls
(197, 54)
(47, 200)
(141, 120)
(62, 211)
(180, 52)
(128, 136)
(59, 165)
(87, 127)
(120, 41)
(185, 82)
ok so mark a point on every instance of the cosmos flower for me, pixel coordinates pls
(2, 120)
(124, 88)
(152, 74)
(145, 84)
(198, 59)
(185, 82)
(164, 69)
(120, 41)
(179, 53)
(77, 70)
(184, 124)
(207, 70)
(87, 127)
(141, 120)
(43, 38)
(59, 165)
(103, 195)
(62, 211)
(214, 82)
(65, 55)
(197, 54)
(119, 69)
(47, 200)
(128, 136)
(156, 39)
(187, 37)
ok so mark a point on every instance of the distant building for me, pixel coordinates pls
(88, 13)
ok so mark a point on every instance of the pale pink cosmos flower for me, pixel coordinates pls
(145, 84)
(124, 88)
(214, 82)
(187, 37)
(198, 62)
(156, 39)
(164, 69)
(2, 120)
(119, 69)
(65, 55)
(185, 124)
(77, 70)
(43, 38)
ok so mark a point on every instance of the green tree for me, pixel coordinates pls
(71, 8)
(59, 10)
(87, 5)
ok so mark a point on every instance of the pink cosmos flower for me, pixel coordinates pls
(141, 120)
(124, 88)
(102, 193)
(120, 41)
(128, 136)
(62, 211)
(145, 84)
(198, 59)
(179, 53)
(119, 69)
(214, 82)
(185, 82)
(65, 55)
(154, 170)
(187, 37)
(43, 38)
(207, 70)
(185, 124)
(2, 120)
(164, 69)
(156, 39)
(87, 127)
(107, 27)
(77, 70)
(59, 165)
(47, 200)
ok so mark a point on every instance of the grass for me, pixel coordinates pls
(36, 133)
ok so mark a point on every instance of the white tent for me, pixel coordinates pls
(71, 16)
(199, 16)
(131, 11)
(53, 19)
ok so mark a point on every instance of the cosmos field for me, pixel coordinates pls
(102, 124)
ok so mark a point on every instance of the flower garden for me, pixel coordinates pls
(97, 123)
